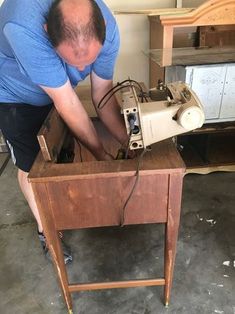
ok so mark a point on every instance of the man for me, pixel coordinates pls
(46, 48)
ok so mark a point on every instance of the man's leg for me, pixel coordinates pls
(20, 124)
(28, 194)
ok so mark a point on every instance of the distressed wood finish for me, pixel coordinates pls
(92, 194)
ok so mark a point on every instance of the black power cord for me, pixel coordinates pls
(124, 153)
(119, 86)
(137, 175)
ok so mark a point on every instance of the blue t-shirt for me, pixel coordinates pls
(27, 58)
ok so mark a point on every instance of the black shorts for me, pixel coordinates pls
(20, 124)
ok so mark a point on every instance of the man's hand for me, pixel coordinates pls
(108, 157)
(72, 112)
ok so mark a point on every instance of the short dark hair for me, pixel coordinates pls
(60, 30)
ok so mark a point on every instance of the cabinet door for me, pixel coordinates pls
(208, 82)
(228, 100)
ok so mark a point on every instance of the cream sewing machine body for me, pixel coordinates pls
(177, 110)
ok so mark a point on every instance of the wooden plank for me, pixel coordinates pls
(116, 285)
(53, 240)
(154, 12)
(153, 162)
(212, 12)
(211, 168)
(171, 232)
(52, 135)
(216, 35)
(214, 127)
(156, 42)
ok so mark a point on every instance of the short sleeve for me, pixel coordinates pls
(35, 56)
(105, 63)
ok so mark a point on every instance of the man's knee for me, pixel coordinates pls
(22, 177)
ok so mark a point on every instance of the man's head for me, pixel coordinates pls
(76, 29)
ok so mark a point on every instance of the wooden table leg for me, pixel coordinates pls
(171, 231)
(53, 240)
(56, 252)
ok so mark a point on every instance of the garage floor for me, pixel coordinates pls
(204, 280)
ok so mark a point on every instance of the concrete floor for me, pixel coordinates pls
(204, 280)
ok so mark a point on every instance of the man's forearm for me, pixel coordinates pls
(83, 129)
(72, 112)
(112, 118)
(110, 114)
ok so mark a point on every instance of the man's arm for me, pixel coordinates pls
(110, 113)
(72, 112)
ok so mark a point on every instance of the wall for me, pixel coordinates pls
(134, 31)
(192, 3)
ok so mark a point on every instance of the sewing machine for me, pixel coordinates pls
(176, 110)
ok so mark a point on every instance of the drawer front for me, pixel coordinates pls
(100, 202)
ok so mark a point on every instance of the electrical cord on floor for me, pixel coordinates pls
(133, 188)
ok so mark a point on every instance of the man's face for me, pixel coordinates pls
(81, 56)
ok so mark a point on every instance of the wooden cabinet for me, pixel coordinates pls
(213, 84)
(88, 193)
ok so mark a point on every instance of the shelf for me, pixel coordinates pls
(220, 127)
(194, 56)
(155, 12)
(208, 152)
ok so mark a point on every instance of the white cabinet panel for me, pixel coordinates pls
(208, 83)
(214, 86)
(228, 100)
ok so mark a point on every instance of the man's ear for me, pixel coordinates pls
(45, 27)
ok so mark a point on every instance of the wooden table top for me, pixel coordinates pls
(163, 157)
